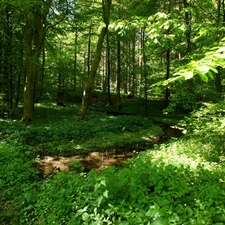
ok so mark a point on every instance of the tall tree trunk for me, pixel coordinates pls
(108, 70)
(30, 69)
(133, 87)
(167, 77)
(42, 73)
(89, 85)
(144, 71)
(188, 23)
(8, 61)
(89, 52)
(217, 77)
(33, 41)
(118, 76)
(75, 63)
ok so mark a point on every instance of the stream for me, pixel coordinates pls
(102, 159)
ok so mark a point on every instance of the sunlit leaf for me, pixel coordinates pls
(99, 200)
(222, 49)
(103, 182)
(210, 75)
(160, 221)
(203, 68)
(85, 217)
(105, 194)
(203, 77)
(165, 83)
(188, 75)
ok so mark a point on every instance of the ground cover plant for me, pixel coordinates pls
(178, 182)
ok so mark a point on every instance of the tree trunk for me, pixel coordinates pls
(144, 71)
(118, 76)
(89, 85)
(28, 105)
(217, 77)
(167, 77)
(108, 70)
(42, 73)
(8, 61)
(75, 63)
(188, 23)
(133, 87)
(89, 52)
(33, 42)
(30, 69)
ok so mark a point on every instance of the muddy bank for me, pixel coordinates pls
(102, 159)
(95, 160)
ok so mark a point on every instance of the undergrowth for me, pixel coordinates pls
(178, 182)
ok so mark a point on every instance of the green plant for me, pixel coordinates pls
(76, 166)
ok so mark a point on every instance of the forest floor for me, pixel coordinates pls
(114, 155)
(121, 165)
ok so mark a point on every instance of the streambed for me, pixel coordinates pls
(102, 159)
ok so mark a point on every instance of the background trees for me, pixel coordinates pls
(55, 41)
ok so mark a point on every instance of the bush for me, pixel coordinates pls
(16, 175)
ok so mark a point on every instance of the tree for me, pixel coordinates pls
(36, 16)
(106, 4)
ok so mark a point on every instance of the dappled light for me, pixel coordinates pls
(112, 112)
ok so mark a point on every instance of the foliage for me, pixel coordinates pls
(179, 182)
(155, 188)
(16, 176)
(204, 67)
(69, 137)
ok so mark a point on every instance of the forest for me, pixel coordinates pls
(112, 112)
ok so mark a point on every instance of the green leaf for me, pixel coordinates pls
(203, 68)
(160, 221)
(99, 200)
(188, 75)
(97, 185)
(222, 49)
(203, 77)
(158, 90)
(210, 75)
(103, 182)
(85, 217)
(105, 194)
(165, 83)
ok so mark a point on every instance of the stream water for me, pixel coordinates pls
(105, 158)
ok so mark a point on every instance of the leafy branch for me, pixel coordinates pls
(205, 68)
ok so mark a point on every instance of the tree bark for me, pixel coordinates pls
(217, 77)
(89, 85)
(118, 76)
(167, 77)
(109, 71)
(33, 42)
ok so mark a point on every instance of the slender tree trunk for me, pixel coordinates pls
(75, 63)
(133, 89)
(217, 77)
(167, 77)
(144, 71)
(118, 76)
(8, 61)
(188, 23)
(42, 73)
(90, 82)
(108, 70)
(104, 70)
(89, 52)
(20, 73)
(89, 85)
